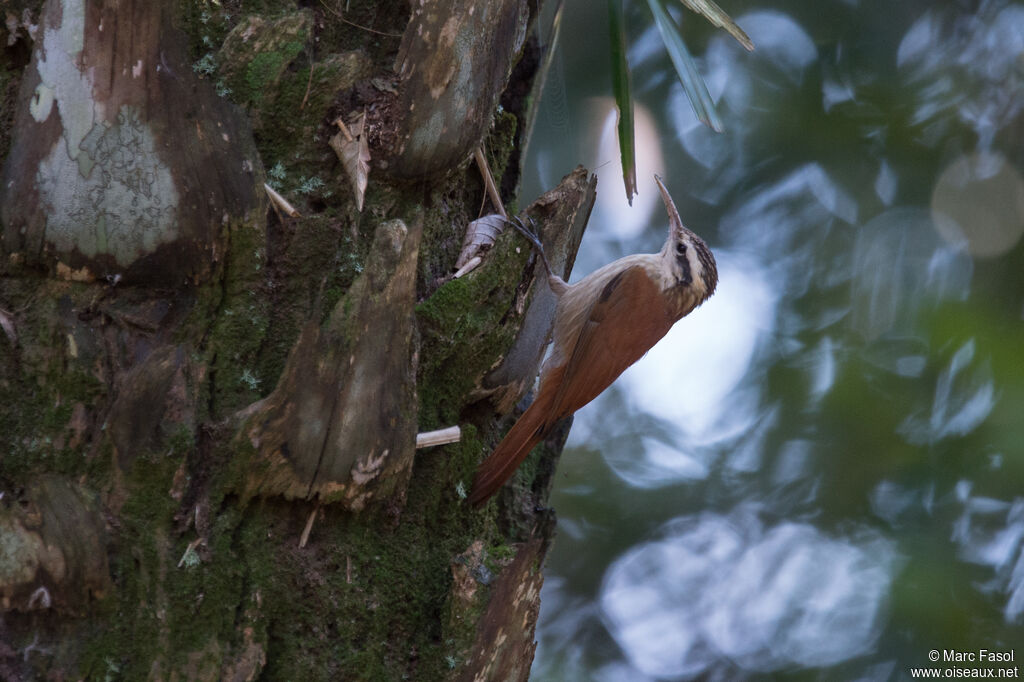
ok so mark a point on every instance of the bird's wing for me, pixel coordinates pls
(625, 321)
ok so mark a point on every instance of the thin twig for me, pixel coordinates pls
(344, 128)
(470, 265)
(191, 546)
(483, 202)
(352, 23)
(492, 189)
(309, 84)
(304, 538)
(280, 202)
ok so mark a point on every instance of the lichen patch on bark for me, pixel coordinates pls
(125, 199)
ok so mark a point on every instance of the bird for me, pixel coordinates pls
(603, 324)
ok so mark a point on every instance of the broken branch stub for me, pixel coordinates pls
(456, 56)
(506, 622)
(341, 423)
(428, 439)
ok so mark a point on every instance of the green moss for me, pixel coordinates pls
(333, 610)
(181, 441)
(43, 379)
(292, 131)
(462, 331)
(241, 321)
(8, 96)
(266, 67)
(205, 25)
(348, 597)
(160, 612)
(362, 580)
(137, 611)
(500, 146)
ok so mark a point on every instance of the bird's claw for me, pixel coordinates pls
(528, 232)
(531, 235)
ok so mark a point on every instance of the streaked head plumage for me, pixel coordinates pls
(694, 261)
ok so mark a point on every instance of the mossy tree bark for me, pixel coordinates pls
(190, 376)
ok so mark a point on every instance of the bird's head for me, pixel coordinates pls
(688, 256)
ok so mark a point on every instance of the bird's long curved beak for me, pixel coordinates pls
(675, 222)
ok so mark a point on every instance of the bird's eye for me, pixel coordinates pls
(680, 249)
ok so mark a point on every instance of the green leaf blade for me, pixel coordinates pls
(623, 97)
(692, 82)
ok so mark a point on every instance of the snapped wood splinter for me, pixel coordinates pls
(452, 434)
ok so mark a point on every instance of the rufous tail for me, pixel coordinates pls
(529, 430)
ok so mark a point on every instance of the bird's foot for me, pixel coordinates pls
(531, 234)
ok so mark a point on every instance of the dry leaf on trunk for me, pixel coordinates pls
(352, 149)
(480, 236)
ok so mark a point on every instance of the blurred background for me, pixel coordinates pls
(819, 474)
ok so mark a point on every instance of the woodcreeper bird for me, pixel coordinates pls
(603, 324)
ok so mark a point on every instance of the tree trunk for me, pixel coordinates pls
(210, 401)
